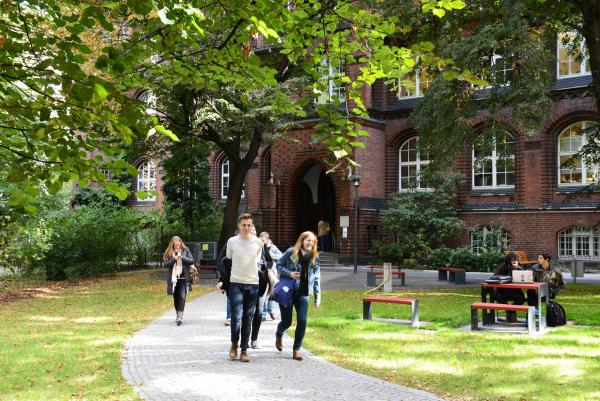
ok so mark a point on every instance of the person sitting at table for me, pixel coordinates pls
(543, 271)
(503, 295)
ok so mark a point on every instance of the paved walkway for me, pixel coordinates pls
(165, 362)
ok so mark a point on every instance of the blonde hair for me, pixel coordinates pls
(298, 246)
(169, 252)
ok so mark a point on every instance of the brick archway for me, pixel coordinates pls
(311, 195)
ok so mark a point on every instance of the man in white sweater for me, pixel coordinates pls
(244, 250)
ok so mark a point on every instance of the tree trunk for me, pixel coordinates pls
(237, 175)
(238, 169)
(590, 10)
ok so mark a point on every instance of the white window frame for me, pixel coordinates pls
(479, 245)
(585, 168)
(505, 71)
(226, 175)
(332, 92)
(571, 239)
(494, 158)
(146, 180)
(416, 74)
(419, 163)
(572, 57)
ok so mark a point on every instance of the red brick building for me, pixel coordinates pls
(528, 194)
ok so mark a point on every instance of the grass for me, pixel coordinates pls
(563, 364)
(66, 342)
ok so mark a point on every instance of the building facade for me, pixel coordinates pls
(529, 193)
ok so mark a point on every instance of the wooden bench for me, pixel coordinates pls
(414, 307)
(204, 270)
(522, 257)
(377, 271)
(452, 274)
(486, 306)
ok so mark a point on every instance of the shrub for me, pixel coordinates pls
(89, 240)
(420, 220)
(465, 258)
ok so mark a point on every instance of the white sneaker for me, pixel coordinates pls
(254, 344)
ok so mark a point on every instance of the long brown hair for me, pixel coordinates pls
(298, 246)
(169, 251)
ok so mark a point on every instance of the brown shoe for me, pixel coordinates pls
(279, 343)
(296, 355)
(233, 351)
(244, 356)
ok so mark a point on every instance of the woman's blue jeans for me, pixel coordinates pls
(300, 303)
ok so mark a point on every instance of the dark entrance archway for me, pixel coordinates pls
(315, 200)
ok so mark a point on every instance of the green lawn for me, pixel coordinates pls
(66, 344)
(563, 364)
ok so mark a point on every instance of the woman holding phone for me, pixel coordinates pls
(178, 259)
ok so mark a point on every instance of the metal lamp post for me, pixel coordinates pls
(355, 178)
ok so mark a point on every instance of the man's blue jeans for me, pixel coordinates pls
(243, 304)
(299, 302)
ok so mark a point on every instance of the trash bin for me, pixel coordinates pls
(576, 269)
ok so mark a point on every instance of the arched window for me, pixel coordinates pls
(572, 170)
(579, 242)
(146, 180)
(411, 162)
(149, 99)
(495, 167)
(266, 174)
(225, 180)
(489, 238)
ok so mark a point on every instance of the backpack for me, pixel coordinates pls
(555, 314)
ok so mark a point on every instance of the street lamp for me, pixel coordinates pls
(355, 178)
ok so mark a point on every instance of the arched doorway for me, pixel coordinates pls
(315, 200)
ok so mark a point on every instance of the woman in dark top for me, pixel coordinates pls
(178, 260)
(301, 263)
(504, 295)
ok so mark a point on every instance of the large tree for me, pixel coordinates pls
(67, 69)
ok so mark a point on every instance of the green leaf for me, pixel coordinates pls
(166, 132)
(438, 12)
(162, 14)
(100, 91)
(340, 154)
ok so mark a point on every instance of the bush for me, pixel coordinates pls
(465, 258)
(89, 240)
(421, 220)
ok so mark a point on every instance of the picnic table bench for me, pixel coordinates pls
(488, 306)
(414, 306)
(452, 274)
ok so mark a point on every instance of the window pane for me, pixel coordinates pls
(592, 174)
(510, 178)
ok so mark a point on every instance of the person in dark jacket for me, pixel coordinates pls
(178, 259)
(263, 265)
(224, 273)
(543, 271)
(504, 295)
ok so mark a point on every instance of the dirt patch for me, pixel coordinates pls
(11, 291)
